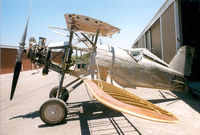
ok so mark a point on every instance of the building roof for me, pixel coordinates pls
(9, 46)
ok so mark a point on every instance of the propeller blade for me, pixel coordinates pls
(25, 32)
(15, 78)
(22, 43)
(19, 56)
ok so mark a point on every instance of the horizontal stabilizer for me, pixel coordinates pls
(126, 102)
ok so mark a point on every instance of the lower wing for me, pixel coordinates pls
(126, 102)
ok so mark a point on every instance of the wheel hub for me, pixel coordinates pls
(53, 112)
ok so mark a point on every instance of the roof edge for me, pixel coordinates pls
(9, 46)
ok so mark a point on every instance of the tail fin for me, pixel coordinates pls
(182, 61)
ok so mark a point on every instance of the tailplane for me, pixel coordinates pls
(182, 61)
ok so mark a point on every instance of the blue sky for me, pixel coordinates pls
(131, 16)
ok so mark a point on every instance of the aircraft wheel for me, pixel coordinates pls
(64, 94)
(53, 111)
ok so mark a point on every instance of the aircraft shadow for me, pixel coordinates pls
(31, 115)
(95, 118)
(188, 99)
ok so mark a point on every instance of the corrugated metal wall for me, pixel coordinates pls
(148, 40)
(168, 34)
(136, 45)
(156, 42)
(161, 35)
(141, 42)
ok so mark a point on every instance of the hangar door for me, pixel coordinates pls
(155, 38)
(168, 34)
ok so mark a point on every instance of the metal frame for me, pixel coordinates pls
(66, 61)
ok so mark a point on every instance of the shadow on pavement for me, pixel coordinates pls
(31, 115)
(94, 117)
(47, 125)
(188, 99)
(176, 97)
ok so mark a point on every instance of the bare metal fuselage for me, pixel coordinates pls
(130, 73)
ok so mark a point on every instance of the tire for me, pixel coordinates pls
(53, 111)
(64, 95)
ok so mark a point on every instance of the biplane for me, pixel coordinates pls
(129, 69)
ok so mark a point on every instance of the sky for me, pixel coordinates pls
(131, 16)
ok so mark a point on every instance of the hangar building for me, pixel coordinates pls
(174, 25)
(8, 57)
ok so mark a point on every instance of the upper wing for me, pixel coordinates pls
(124, 101)
(89, 25)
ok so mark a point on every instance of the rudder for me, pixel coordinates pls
(182, 61)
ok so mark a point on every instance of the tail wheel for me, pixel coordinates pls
(53, 111)
(64, 94)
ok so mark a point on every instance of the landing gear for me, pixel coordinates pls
(53, 111)
(64, 94)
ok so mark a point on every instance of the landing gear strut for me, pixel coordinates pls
(54, 110)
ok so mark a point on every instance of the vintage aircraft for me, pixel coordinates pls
(130, 69)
